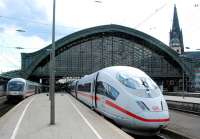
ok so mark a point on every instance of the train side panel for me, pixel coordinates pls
(85, 87)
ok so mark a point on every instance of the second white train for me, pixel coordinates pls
(21, 88)
(126, 95)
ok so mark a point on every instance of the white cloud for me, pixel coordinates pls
(33, 43)
(2, 5)
(132, 13)
(10, 41)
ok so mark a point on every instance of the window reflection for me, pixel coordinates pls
(15, 86)
(131, 81)
(107, 90)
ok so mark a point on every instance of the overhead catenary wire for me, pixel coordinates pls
(18, 47)
(26, 20)
(151, 15)
(5, 57)
(10, 62)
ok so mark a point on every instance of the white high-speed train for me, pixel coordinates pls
(21, 88)
(126, 95)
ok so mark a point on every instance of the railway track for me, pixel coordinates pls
(151, 137)
(2, 98)
(5, 106)
(169, 134)
(192, 108)
(164, 134)
(184, 110)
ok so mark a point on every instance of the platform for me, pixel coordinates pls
(186, 94)
(183, 99)
(30, 120)
(184, 123)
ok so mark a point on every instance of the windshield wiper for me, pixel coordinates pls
(145, 84)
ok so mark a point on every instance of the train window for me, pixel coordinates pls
(134, 82)
(87, 87)
(15, 86)
(31, 87)
(84, 87)
(112, 92)
(79, 87)
(129, 82)
(101, 88)
(107, 90)
(151, 83)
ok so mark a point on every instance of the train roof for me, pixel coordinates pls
(17, 79)
(113, 70)
(23, 80)
(116, 69)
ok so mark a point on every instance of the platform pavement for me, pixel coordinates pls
(183, 99)
(30, 120)
(185, 124)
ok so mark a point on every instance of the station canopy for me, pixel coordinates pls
(91, 49)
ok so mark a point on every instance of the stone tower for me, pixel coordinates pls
(176, 37)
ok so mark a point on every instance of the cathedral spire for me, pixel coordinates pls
(175, 25)
(176, 37)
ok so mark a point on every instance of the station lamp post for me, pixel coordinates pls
(183, 76)
(52, 71)
(52, 68)
(183, 84)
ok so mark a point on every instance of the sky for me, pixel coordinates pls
(34, 19)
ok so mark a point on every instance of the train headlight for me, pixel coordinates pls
(142, 106)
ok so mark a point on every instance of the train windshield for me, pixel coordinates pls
(15, 86)
(136, 82)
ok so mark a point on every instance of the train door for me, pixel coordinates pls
(94, 95)
(101, 96)
(36, 90)
(75, 89)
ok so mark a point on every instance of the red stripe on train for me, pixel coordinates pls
(29, 93)
(109, 103)
(89, 96)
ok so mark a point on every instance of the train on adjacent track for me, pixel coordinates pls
(21, 88)
(126, 95)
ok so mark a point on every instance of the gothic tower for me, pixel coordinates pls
(176, 37)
